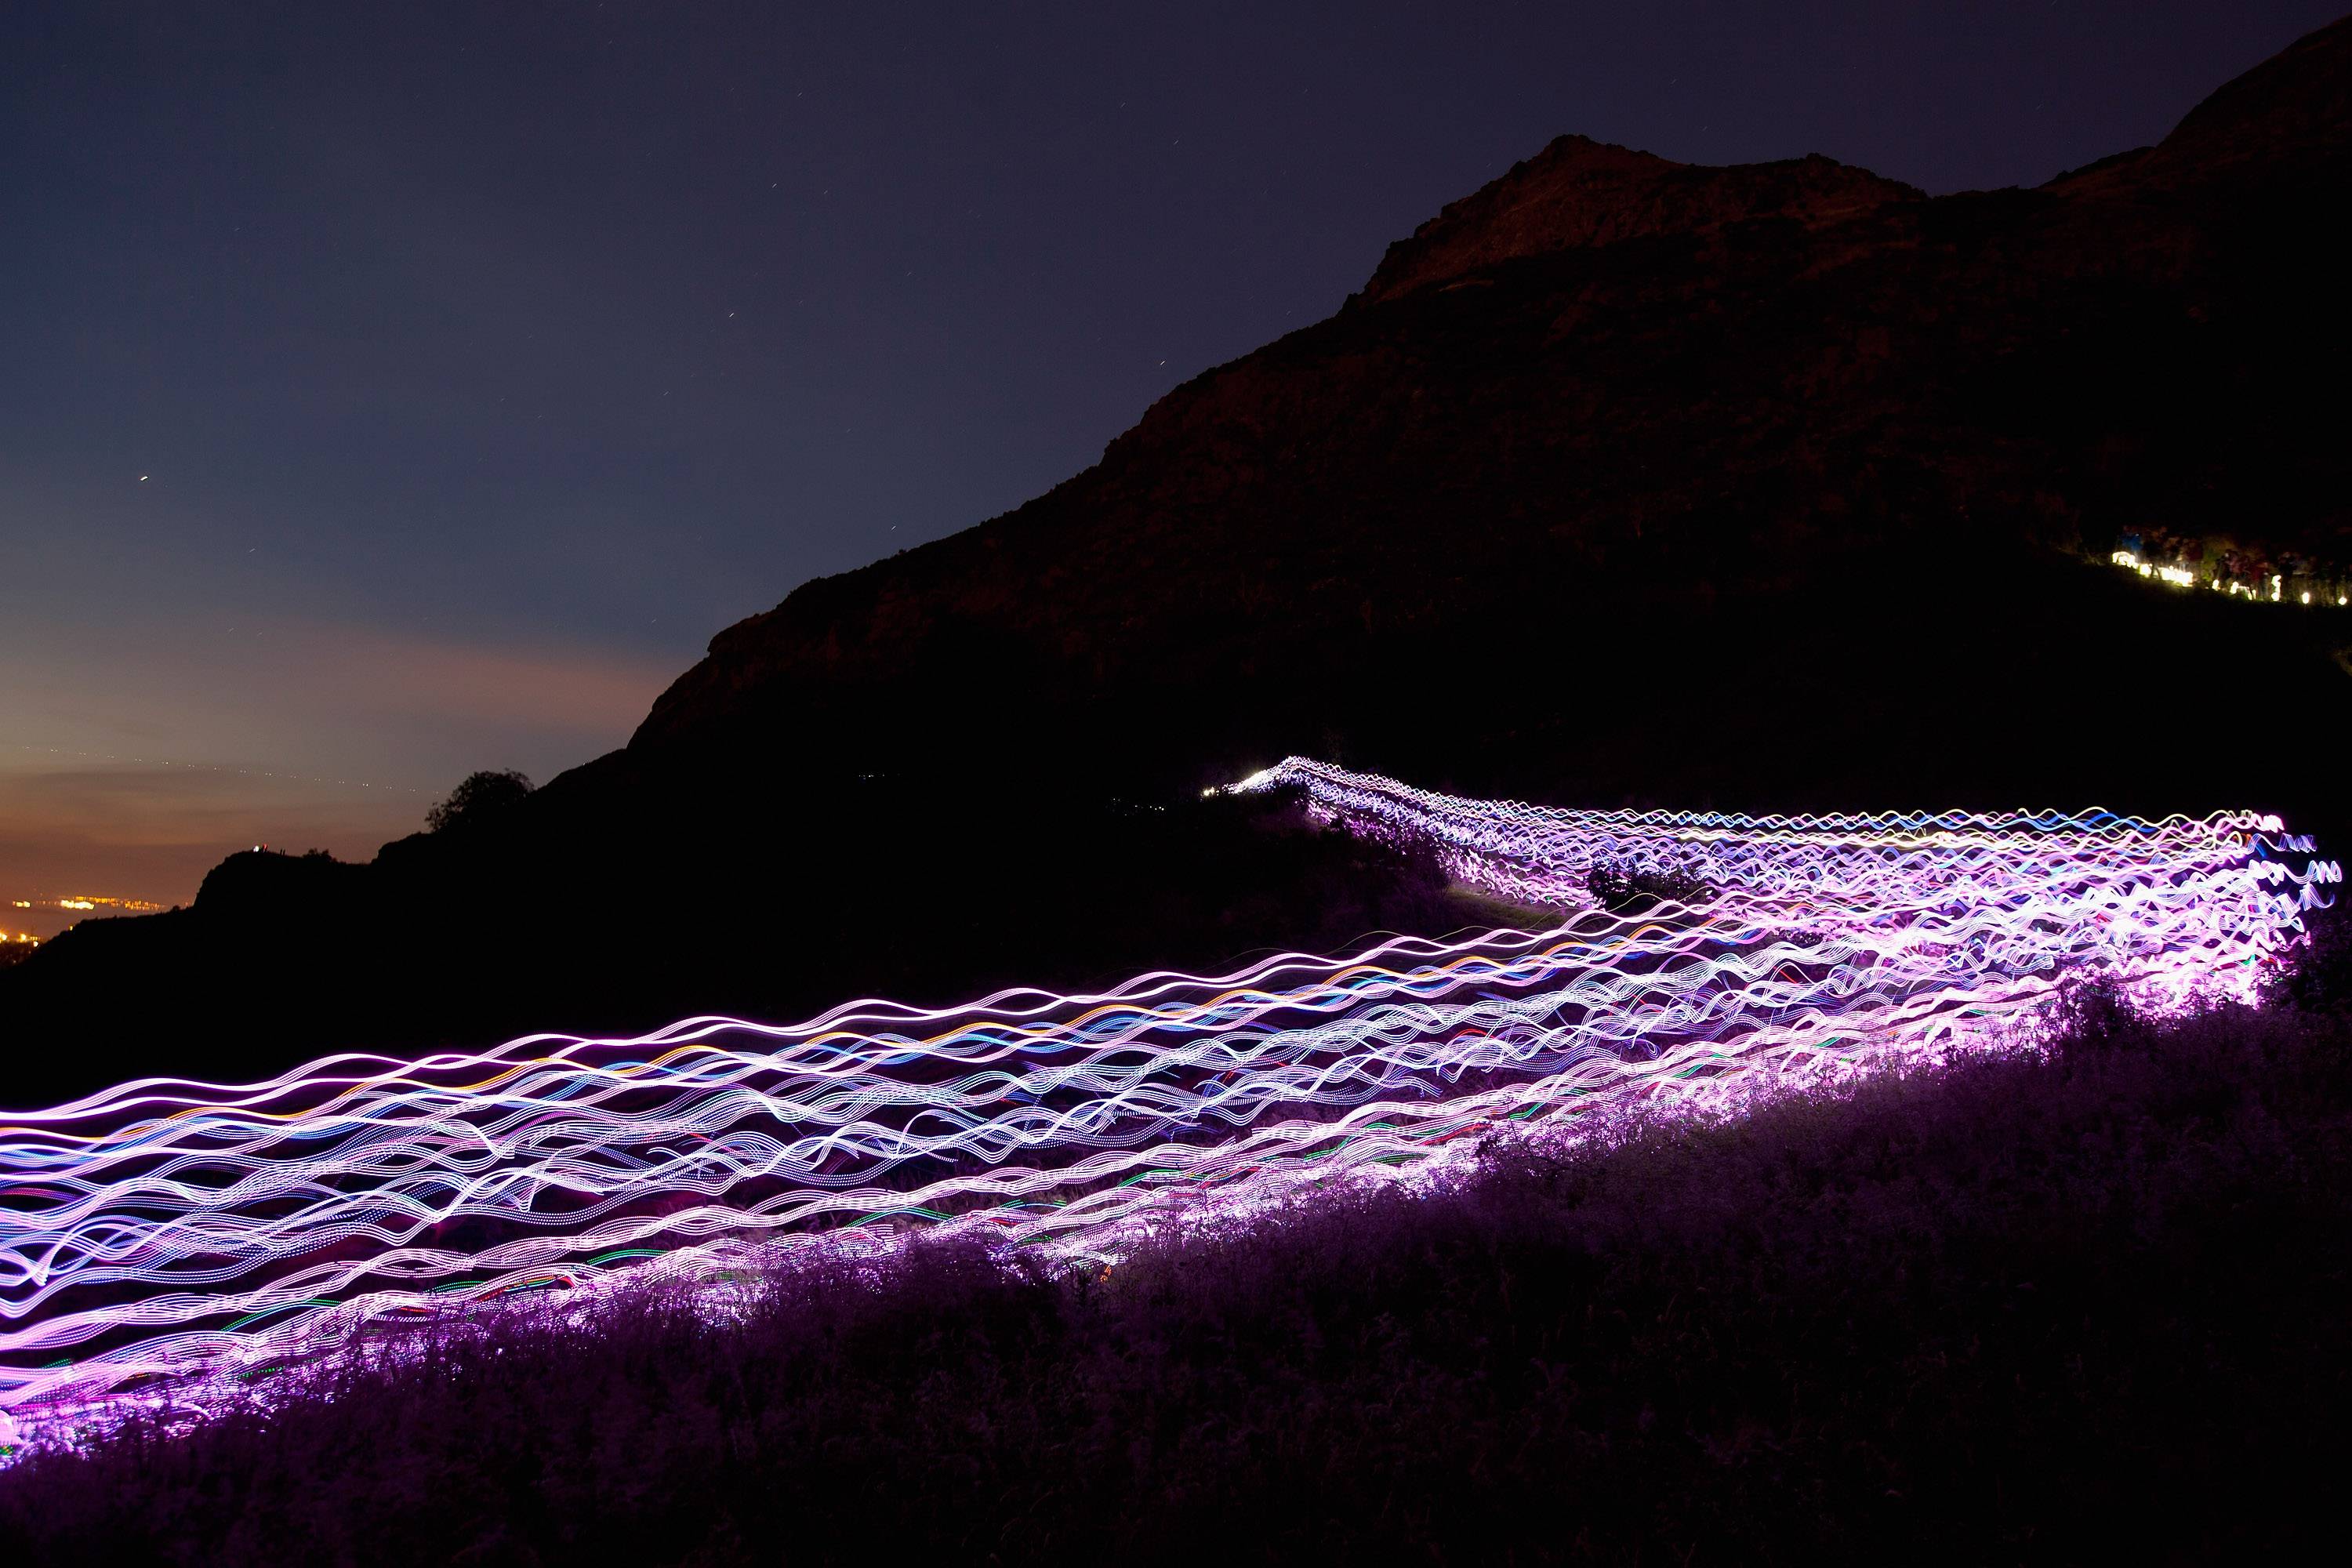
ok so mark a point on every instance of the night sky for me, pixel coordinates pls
(393, 389)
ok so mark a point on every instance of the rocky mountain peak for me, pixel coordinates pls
(1581, 193)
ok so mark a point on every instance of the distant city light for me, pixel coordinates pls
(84, 901)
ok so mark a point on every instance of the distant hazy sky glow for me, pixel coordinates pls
(391, 390)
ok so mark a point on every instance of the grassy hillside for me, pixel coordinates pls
(2082, 1304)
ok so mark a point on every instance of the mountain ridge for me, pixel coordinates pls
(1606, 378)
(1580, 193)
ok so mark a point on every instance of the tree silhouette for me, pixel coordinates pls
(481, 794)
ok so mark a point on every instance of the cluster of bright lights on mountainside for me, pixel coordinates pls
(2272, 590)
(84, 902)
(167, 1242)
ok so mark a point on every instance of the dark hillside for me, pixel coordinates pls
(914, 888)
(1619, 464)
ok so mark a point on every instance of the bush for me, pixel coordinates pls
(1633, 890)
(480, 796)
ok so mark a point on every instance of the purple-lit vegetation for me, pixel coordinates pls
(2062, 1304)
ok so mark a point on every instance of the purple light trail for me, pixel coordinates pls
(169, 1235)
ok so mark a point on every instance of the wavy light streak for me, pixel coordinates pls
(165, 1231)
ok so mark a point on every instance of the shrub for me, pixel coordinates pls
(478, 797)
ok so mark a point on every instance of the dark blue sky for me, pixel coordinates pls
(483, 359)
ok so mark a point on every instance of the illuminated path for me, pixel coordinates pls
(165, 1230)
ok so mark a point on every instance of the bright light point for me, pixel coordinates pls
(1262, 779)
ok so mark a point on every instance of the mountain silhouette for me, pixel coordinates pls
(1772, 484)
(1781, 486)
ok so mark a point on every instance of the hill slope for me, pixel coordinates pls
(2075, 1310)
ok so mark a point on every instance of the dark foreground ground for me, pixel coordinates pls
(2086, 1306)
